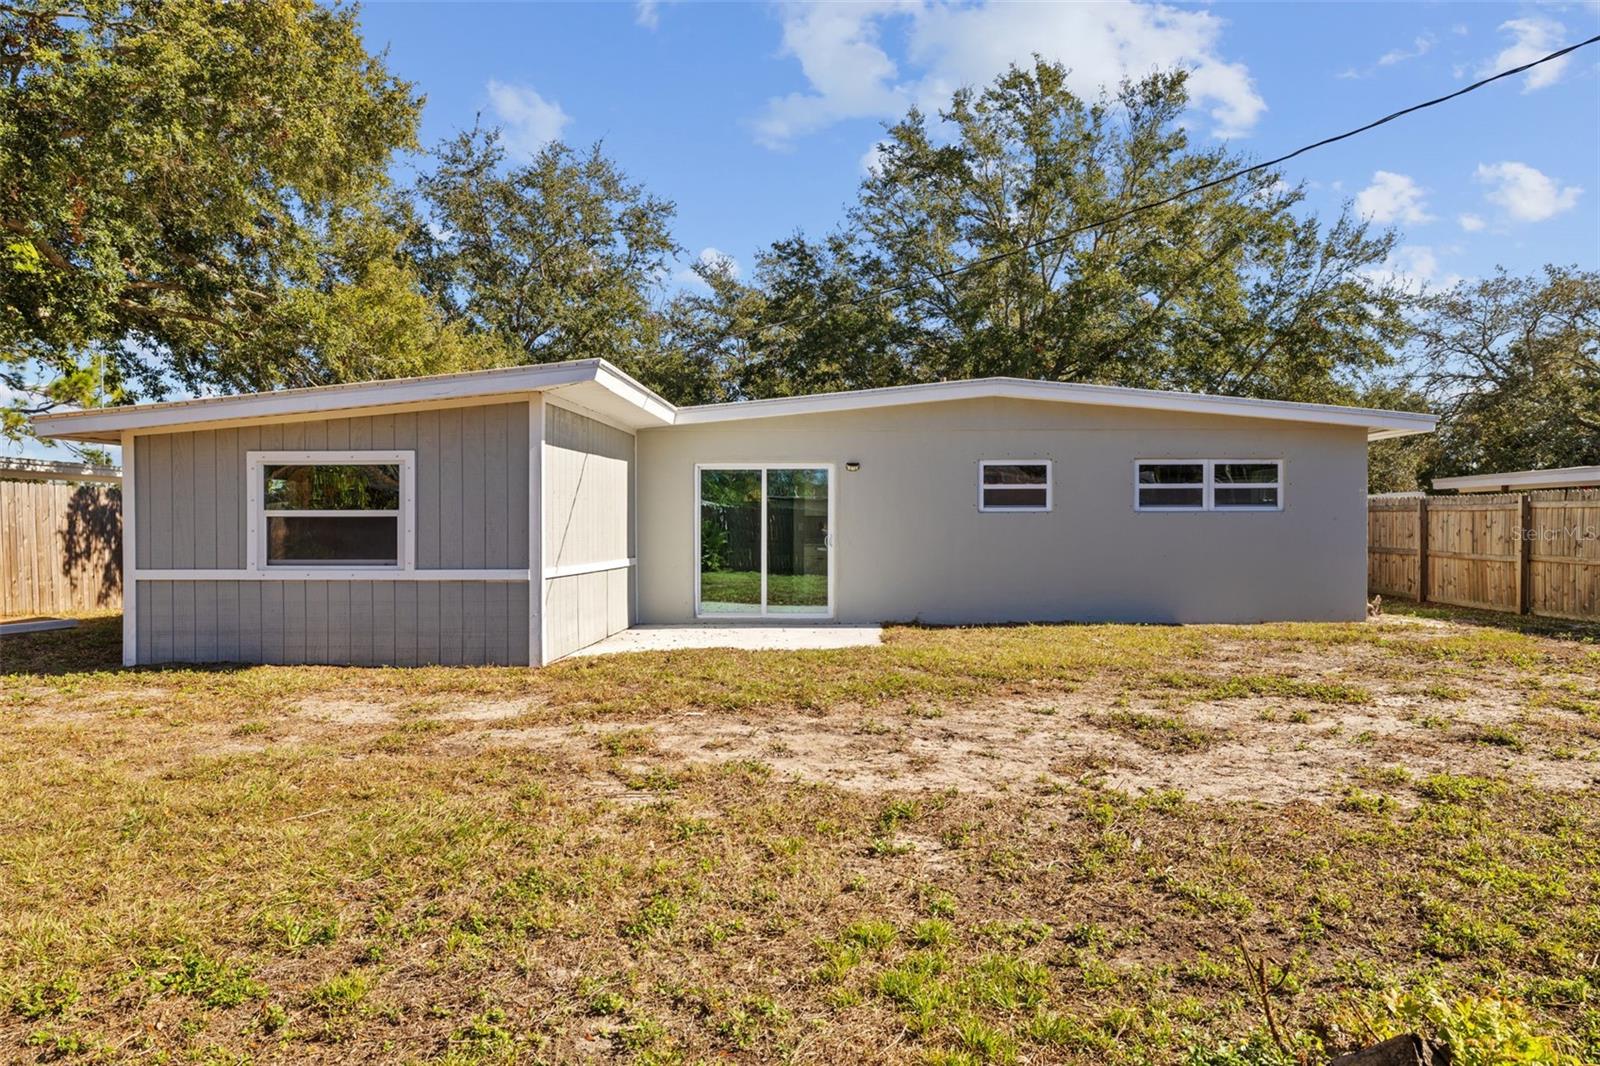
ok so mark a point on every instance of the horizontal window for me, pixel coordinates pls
(1208, 485)
(1014, 485)
(333, 487)
(322, 540)
(330, 509)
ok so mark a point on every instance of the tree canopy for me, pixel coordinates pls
(553, 259)
(1512, 367)
(190, 196)
(978, 248)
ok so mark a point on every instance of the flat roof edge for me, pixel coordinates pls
(1380, 424)
(108, 423)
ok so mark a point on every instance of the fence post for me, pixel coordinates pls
(1524, 553)
(1422, 549)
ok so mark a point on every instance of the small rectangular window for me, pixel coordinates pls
(1014, 485)
(1172, 486)
(1239, 486)
(315, 509)
(1208, 485)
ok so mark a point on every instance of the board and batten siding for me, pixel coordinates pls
(448, 623)
(472, 513)
(588, 528)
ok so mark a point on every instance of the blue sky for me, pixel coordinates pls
(756, 119)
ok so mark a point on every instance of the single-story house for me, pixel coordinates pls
(517, 515)
(1556, 477)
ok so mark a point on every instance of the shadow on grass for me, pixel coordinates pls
(93, 646)
(1532, 625)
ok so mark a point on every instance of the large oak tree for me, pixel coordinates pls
(191, 196)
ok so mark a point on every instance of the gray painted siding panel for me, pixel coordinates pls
(472, 513)
(472, 477)
(911, 543)
(588, 473)
(492, 623)
(588, 518)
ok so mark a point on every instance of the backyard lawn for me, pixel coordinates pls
(1205, 845)
(736, 590)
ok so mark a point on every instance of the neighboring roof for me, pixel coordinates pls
(18, 469)
(1564, 477)
(1378, 424)
(602, 388)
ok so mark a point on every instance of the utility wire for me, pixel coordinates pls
(1056, 238)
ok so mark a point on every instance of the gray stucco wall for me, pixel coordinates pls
(471, 514)
(910, 542)
(588, 519)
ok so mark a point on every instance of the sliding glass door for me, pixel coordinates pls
(764, 541)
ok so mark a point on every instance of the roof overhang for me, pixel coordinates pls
(590, 383)
(1379, 425)
(597, 386)
(1566, 477)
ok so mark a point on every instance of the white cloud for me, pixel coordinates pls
(1420, 47)
(1526, 194)
(1393, 198)
(1414, 267)
(947, 45)
(710, 257)
(1531, 38)
(714, 257)
(871, 158)
(1470, 222)
(647, 13)
(530, 121)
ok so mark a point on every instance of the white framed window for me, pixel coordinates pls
(1014, 485)
(347, 510)
(1208, 485)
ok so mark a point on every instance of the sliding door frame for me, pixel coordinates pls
(761, 613)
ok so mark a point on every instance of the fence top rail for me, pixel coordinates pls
(1394, 502)
(1478, 501)
(1565, 496)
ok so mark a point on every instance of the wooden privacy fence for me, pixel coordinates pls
(60, 547)
(1528, 553)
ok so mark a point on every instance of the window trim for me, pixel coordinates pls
(256, 533)
(1049, 486)
(1208, 502)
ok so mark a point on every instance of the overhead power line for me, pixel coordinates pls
(1056, 238)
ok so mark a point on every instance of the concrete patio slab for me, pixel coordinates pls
(748, 637)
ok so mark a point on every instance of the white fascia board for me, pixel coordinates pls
(108, 423)
(1559, 478)
(653, 407)
(1378, 424)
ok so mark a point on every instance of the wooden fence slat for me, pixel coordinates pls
(60, 547)
(1530, 553)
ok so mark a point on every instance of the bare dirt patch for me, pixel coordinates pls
(1003, 746)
